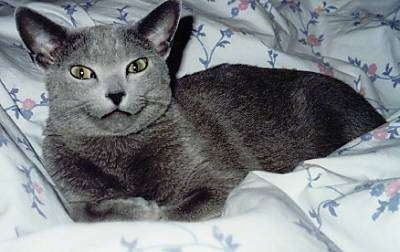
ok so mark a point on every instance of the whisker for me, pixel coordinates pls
(155, 102)
(71, 113)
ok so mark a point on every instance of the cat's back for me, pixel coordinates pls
(278, 115)
(235, 84)
(230, 90)
(272, 95)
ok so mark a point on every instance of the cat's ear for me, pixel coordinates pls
(41, 36)
(160, 25)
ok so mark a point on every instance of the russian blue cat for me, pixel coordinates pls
(121, 145)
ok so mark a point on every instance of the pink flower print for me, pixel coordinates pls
(383, 126)
(244, 4)
(392, 188)
(234, 29)
(380, 133)
(318, 9)
(364, 16)
(28, 104)
(313, 40)
(362, 92)
(324, 69)
(38, 188)
(372, 69)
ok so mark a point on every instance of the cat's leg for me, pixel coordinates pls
(201, 197)
(79, 189)
(136, 208)
(199, 204)
(204, 195)
(76, 180)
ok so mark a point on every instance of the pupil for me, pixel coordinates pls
(81, 73)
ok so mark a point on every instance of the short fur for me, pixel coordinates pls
(175, 155)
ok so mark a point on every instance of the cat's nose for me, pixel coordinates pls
(116, 98)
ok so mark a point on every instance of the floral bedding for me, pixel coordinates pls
(348, 201)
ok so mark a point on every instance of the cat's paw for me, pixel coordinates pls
(125, 209)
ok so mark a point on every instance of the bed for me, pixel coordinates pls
(348, 201)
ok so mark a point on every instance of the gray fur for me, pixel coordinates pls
(178, 154)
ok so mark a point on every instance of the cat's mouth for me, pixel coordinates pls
(116, 112)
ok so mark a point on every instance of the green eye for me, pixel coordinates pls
(137, 66)
(82, 72)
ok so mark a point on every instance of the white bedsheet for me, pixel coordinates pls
(348, 201)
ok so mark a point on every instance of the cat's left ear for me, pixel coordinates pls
(160, 25)
(41, 36)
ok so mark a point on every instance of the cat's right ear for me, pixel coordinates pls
(41, 36)
(159, 25)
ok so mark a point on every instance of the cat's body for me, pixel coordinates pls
(168, 162)
(273, 118)
(174, 156)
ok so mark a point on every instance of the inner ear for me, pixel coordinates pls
(41, 36)
(160, 25)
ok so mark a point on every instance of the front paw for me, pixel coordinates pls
(125, 209)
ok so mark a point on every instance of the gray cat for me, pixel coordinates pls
(121, 145)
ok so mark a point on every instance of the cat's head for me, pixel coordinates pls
(103, 80)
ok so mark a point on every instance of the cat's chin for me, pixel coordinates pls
(122, 123)
(116, 123)
(116, 113)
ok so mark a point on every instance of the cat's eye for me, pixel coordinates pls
(137, 66)
(82, 72)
